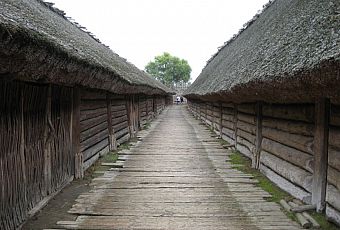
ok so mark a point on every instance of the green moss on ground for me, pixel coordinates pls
(243, 164)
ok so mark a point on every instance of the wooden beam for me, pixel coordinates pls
(322, 110)
(221, 119)
(47, 142)
(78, 155)
(112, 137)
(258, 138)
(235, 125)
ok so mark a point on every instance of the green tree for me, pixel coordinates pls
(169, 70)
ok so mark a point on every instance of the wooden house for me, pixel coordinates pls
(65, 99)
(273, 92)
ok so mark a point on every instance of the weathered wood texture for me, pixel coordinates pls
(287, 147)
(177, 177)
(322, 108)
(24, 142)
(287, 142)
(94, 135)
(333, 171)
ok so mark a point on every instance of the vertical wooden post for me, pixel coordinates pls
(78, 155)
(200, 112)
(221, 119)
(322, 108)
(146, 108)
(235, 125)
(112, 137)
(22, 141)
(128, 109)
(258, 137)
(47, 142)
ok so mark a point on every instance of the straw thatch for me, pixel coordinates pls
(289, 52)
(40, 44)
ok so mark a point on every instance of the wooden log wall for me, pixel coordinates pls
(94, 132)
(280, 139)
(149, 109)
(35, 139)
(143, 110)
(333, 170)
(49, 134)
(159, 104)
(228, 122)
(120, 119)
(62, 157)
(286, 150)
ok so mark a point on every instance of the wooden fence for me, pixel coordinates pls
(51, 134)
(297, 146)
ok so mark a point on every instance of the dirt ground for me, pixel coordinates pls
(57, 208)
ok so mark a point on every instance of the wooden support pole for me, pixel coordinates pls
(146, 108)
(47, 142)
(112, 137)
(128, 104)
(138, 113)
(220, 122)
(258, 138)
(322, 108)
(78, 155)
(235, 125)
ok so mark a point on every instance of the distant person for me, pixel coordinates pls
(178, 100)
(182, 99)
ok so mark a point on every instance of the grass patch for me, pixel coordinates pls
(243, 164)
(146, 126)
(320, 218)
(110, 157)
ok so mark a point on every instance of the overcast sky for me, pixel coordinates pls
(139, 30)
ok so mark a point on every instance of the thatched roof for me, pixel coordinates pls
(39, 44)
(289, 52)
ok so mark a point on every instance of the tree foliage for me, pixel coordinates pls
(169, 70)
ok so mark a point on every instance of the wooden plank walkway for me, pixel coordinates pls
(177, 177)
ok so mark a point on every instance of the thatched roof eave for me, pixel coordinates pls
(40, 45)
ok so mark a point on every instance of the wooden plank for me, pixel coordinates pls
(249, 108)
(322, 108)
(235, 124)
(289, 154)
(90, 132)
(251, 119)
(258, 136)
(92, 104)
(112, 137)
(93, 139)
(298, 112)
(287, 170)
(93, 150)
(220, 119)
(246, 127)
(285, 184)
(90, 123)
(49, 132)
(289, 126)
(88, 114)
(78, 156)
(299, 142)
